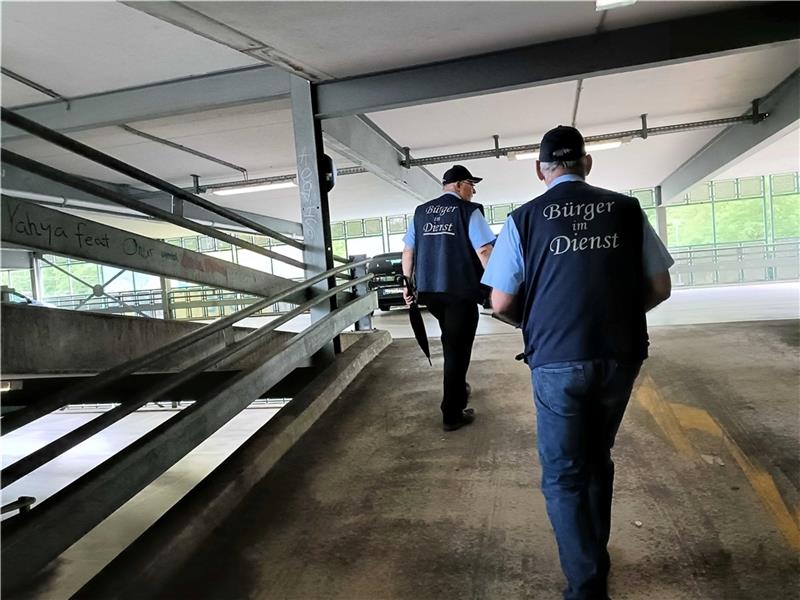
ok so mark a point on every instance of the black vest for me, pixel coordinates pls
(584, 284)
(445, 260)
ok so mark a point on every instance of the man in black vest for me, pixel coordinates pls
(579, 267)
(446, 246)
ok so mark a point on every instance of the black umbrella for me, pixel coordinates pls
(418, 325)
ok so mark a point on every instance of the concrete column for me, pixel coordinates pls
(318, 252)
(36, 277)
(165, 303)
(661, 216)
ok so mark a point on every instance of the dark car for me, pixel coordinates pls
(388, 280)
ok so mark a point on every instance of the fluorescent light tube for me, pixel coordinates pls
(246, 189)
(609, 4)
(594, 147)
(522, 155)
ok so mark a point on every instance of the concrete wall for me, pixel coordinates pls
(48, 341)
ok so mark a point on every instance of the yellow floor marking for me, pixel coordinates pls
(674, 419)
(691, 417)
(768, 493)
(647, 395)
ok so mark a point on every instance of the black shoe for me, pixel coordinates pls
(467, 417)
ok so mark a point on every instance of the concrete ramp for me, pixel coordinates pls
(376, 502)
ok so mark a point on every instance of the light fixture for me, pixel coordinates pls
(596, 146)
(610, 4)
(246, 189)
(590, 147)
(522, 155)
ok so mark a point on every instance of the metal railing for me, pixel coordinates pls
(184, 304)
(699, 266)
(743, 263)
(109, 485)
(77, 508)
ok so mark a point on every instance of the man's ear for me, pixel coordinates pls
(539, 173)
(587, 165)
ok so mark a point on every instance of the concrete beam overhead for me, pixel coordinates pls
(363, 142)
(737, 142)
(616, 51)
(156, 101)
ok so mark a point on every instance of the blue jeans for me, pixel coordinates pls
(579, 406)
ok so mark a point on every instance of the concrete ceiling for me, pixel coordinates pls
(397, 34)
(77, 48)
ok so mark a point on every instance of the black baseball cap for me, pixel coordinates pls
(562, 144)
(459, 173)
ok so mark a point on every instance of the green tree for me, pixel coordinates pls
(786, 216)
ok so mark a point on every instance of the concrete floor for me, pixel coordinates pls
(378, 503)
(738, 365)
(86, 557)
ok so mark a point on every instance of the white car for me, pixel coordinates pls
(10, 296)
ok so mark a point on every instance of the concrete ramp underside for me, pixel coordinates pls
(376, 502)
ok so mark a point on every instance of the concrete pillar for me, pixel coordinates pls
(661, 216)
(165, 303)
(36, 277)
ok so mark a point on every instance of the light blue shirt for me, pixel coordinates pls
(480, 233)
(563, 178)
(506, 268)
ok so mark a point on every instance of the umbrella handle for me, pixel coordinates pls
(407, 283)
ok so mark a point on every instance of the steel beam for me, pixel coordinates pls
(738, 142)
(17, 181)
(318, 251)
(363, 142)
(156, 101)
(29, 225)
(643, 46)
(36, 538)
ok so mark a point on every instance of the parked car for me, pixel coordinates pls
(388, 280)
(11, 296)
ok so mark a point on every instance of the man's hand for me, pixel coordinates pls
(659, 288)
(507, 306)
(408, 269)
(484, 252)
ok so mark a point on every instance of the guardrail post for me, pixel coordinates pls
(318, 251)
(362, 289)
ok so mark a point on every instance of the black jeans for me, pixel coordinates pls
(458, 320)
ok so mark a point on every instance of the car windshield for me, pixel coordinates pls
(385, 264)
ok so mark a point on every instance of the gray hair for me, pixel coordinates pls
(573, 166)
